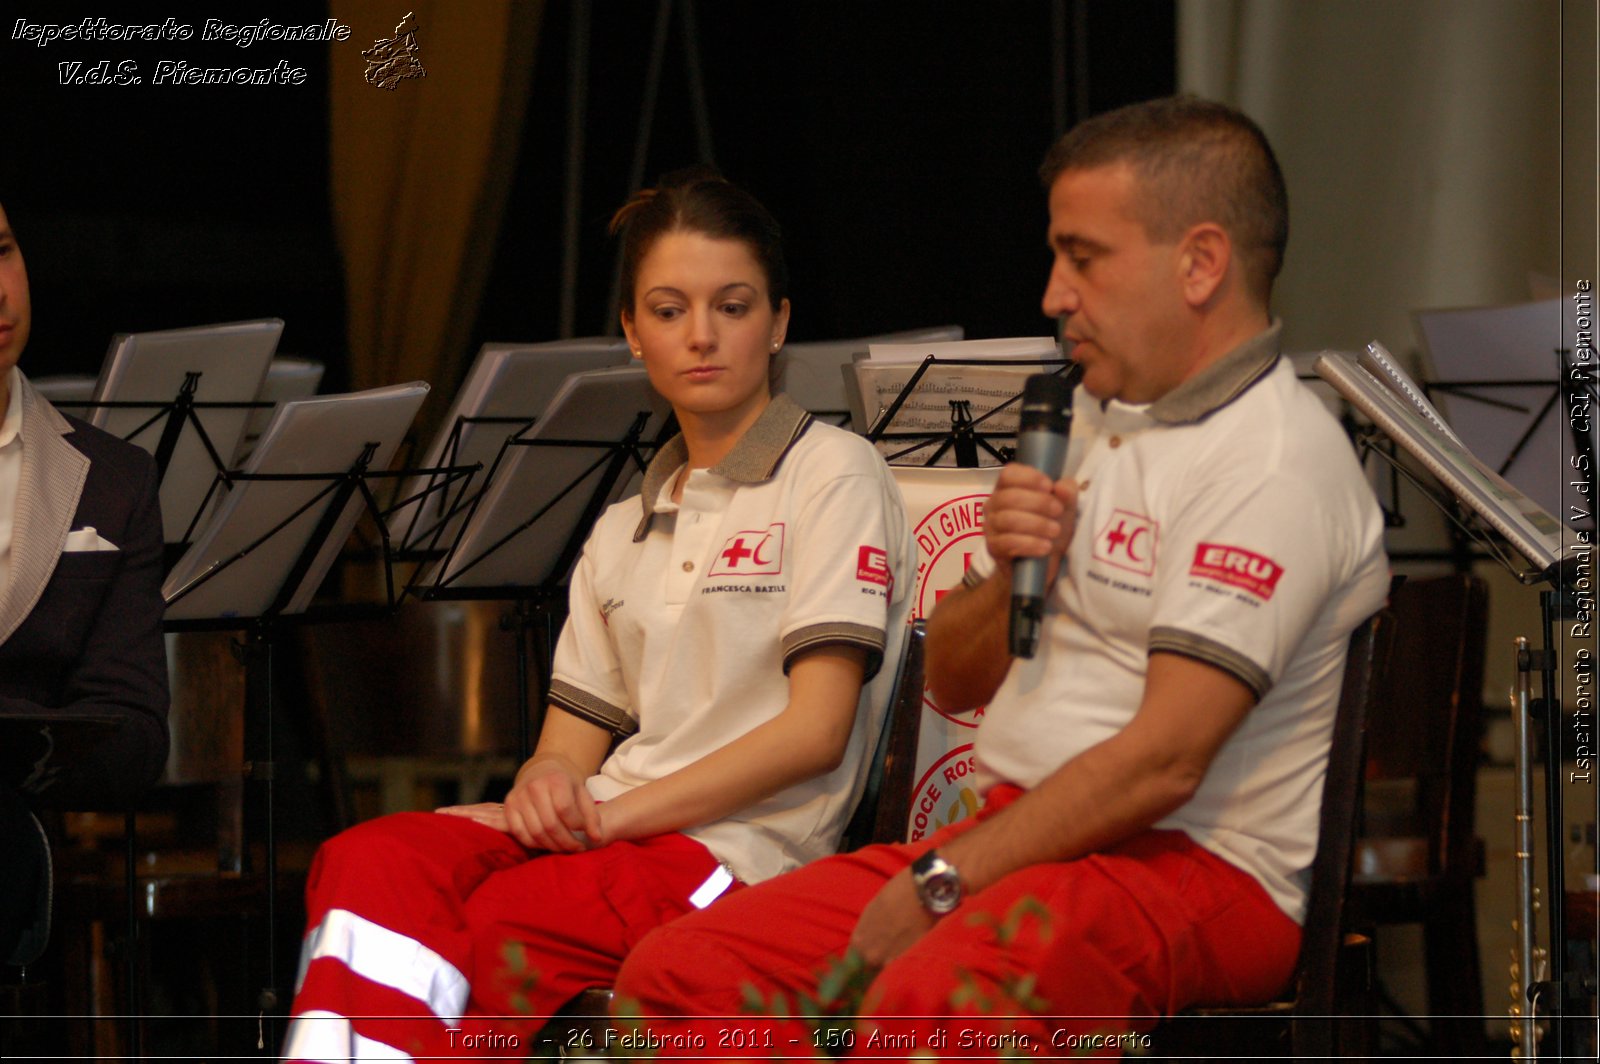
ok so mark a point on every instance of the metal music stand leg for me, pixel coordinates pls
(532, 615)
(135, 995)
(517, 622)
(259, 752)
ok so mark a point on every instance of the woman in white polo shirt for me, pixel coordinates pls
(728, 625)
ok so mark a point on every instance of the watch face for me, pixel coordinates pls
(937, 882)
(942, 892)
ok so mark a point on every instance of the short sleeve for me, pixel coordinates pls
(587, 679)
(1247, 569)
(851, 558)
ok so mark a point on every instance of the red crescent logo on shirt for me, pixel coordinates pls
(753, 552)
(1128, 541)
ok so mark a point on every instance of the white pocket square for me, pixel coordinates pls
(86, 538)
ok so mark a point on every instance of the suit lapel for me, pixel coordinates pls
(53, 474)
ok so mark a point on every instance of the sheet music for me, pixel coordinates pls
(997, 350)
(887, 369)
(1528, 527)
(320, 437)
(809, 372)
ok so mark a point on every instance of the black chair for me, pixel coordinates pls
(881, 815)
(190, 882)
(1324, 1012)
(1419, 855)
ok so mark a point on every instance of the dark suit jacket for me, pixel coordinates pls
(80, 631)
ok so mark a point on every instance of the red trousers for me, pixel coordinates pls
(1063, 959)
(432, 935)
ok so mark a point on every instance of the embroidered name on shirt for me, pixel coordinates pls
(1236, 567)
(751, 553)
(1128, 541)
(607, 608)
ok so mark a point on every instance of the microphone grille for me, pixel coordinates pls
(1046, 402)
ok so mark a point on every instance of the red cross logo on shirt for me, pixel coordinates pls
(751, 552)
(737, 553)
(1128, 541)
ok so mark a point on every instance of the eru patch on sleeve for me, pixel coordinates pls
(1246, 570)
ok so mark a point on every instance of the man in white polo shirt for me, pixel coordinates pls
(1153, 774)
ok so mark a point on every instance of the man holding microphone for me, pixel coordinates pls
(1152, 773)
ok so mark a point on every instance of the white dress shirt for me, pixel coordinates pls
(10, 471)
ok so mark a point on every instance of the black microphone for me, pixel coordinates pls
(1041, 444)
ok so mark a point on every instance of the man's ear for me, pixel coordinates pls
(1205, 256)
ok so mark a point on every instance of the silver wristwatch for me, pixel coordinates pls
(938, 883)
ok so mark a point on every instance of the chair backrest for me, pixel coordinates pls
(1433, 718)
(1365, 671)
(885, 806)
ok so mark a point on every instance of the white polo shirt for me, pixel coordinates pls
(683, 624)
(1229, 522)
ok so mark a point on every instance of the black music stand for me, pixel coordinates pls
(966, 435)
(1573, 390)
(424, 543)
(235, 576)
(204, 378)
(502, 394)
(181, 412)
(175, 415)
(524, 530)
(1557, 557)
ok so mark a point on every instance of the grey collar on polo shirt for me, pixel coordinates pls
(1221, 382)
(754, 458)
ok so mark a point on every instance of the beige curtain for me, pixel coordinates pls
(420, 177)
(1422, 142)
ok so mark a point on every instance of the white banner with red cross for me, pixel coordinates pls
(945, 510)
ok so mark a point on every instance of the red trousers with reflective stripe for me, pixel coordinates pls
(434, 895)
(1038, 963)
